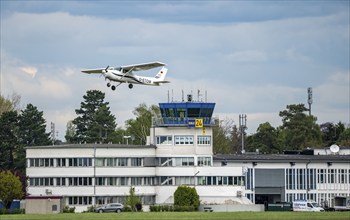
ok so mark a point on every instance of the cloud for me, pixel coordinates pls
(29, 70)
(248, 60)
(247, 56)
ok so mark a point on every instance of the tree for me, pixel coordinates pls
(331, 132)
(265, 139)
(301, 130)
(344, 138)
(186, 196)
(9, 104)
(9, 136)
(140, 127)
(70, 132)
(94, 121)
(32, 126)
(221, 137)
(10, 188)
(132, 200)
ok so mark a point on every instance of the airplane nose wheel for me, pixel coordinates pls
(130, 86)
(113, 88)
(108, 84)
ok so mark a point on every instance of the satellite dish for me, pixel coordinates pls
(334, 148)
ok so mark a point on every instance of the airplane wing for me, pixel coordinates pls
(142, 66)
(93, 70)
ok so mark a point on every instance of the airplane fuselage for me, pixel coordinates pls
(118, 76)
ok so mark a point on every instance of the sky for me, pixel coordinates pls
(249, 57)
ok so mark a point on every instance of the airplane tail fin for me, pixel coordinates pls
(161, 75)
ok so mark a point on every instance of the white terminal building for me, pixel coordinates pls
(180, 152)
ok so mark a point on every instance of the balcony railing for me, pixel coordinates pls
(178, 121)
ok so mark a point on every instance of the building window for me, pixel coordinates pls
(61, 162)
(184, 180)
(136, 162)
(321, 176)
(41, 182)
(80, 181)
(204, 161)
(184, 140)
(80, 162)
(122, 162)
(184, 161)
(164, 140)
(41, 162)
(165, 161)
(204, 140)
(136, 181)
(79, 200)
(60, 181)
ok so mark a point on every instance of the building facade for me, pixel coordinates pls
(180, 152)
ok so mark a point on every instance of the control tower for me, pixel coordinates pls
(184, 128)
(191, 114)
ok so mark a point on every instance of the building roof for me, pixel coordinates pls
(276, 158)
(93, 146)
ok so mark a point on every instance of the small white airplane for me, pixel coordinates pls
(124, 74)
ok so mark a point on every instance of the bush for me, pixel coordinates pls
(91, 208)
(186, 196)
(4, 211)
(68, 209)
(127, 209)
(184, 208)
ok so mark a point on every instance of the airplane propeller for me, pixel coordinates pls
(106, 69)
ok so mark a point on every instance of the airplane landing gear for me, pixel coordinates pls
(113, 88)
(130, 86)
(108, 85)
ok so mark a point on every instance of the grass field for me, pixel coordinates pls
(187, 215)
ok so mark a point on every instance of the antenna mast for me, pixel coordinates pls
(309, 100)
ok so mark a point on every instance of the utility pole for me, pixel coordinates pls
(242, 128)
(309, 99)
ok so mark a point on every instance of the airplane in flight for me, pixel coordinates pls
(124, 74)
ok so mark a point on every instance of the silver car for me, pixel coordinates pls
(111, 207)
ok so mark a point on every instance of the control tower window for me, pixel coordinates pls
(165, 140)
(184, 140)
(193, 112)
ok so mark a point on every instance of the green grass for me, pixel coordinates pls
(186, 215)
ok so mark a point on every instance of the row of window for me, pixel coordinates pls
(61, 181)
(182, 161)
(87, 200)
(307, 178)
(60, 162)
(118, 162)
(138, 181)
(183, 140)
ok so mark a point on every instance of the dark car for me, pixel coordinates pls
(111, 207)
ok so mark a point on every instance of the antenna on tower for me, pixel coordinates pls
(309, 99)
(53, 137)
(199, 95)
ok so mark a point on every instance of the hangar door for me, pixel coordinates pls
(269, 186)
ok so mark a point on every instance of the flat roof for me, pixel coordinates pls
(273, 158)
(93, 146)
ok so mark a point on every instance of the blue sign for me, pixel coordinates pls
(191, 122)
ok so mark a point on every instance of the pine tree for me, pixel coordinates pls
(95, 122)
(32, 126)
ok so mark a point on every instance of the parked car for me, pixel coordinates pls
(111, 207)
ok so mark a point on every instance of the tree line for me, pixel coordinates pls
(95, 123)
